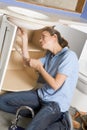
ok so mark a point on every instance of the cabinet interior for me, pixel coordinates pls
(19, 77)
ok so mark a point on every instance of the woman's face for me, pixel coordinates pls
(46, 40)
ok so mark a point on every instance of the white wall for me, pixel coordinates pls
(84, 52)
(75, 37)
(79, 98)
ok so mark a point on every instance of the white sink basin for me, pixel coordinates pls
(25, 24)
(27, 12)
(30, 19)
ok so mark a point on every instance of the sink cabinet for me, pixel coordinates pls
(14, 76)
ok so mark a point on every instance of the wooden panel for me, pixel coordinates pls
(84, 11)
(57, 4)
(18, 77)
(18, 80)
(80, 5)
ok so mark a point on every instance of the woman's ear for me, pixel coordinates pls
(55, 36)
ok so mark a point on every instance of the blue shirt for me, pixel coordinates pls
(64, 62)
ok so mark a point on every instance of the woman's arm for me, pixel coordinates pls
(56, 82)
(23, 43)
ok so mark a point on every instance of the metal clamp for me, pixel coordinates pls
(15, 121)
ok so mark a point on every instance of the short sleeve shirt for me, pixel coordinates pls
(64, 62)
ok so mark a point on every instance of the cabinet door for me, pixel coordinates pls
(7, 36)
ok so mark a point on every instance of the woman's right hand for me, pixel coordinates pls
(22, 37)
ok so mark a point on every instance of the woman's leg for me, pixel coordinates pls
(10, 102)
(64, 123)
(48, 114)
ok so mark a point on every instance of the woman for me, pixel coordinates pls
(58, 73)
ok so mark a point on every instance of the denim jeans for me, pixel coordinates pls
(47, 115)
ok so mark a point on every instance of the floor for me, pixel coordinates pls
(6, 118)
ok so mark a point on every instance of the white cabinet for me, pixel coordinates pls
(7, 36)
(14, 76)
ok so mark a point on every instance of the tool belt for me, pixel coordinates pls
(79, 119)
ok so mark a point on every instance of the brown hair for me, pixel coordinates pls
(63, 43)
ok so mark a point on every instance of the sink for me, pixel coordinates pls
(29, 19)
(25, 24)
(28, 12)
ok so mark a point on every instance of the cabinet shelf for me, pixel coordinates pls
(18, 77)
(15, 80)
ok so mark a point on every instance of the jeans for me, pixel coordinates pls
(47, 115)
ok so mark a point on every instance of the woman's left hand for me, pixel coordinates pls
(36, 64)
